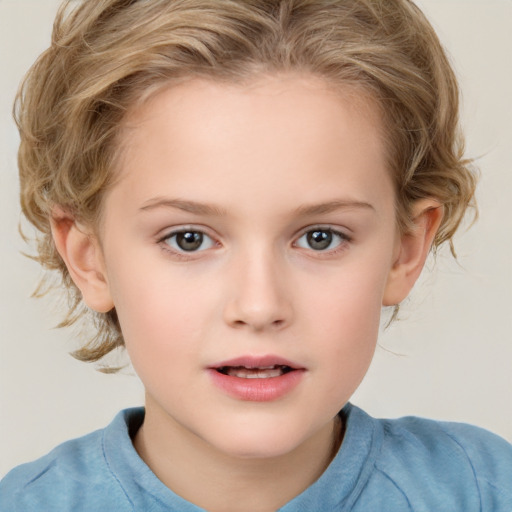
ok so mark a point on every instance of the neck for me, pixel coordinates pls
(218, 482)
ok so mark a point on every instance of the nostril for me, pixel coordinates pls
(273, 324)
(257, 311)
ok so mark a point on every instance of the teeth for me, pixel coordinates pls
(267, 372)
(244, 373)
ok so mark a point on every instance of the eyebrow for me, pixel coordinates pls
(187, 206)
(212, 210)
(331, 206)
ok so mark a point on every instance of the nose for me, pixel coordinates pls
(259, 296)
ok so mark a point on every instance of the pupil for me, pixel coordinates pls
(319, 240)
(189, 240)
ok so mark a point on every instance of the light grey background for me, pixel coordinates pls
(449, 358)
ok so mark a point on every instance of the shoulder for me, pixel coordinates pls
(73, 476)
(463, 463)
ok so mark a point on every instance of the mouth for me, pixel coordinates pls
(257, 379)
(263, 372)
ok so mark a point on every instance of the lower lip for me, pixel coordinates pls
(257, 390)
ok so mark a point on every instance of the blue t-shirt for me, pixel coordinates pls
(409, 464)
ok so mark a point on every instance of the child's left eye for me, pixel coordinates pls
(189, 240)
(321, 239)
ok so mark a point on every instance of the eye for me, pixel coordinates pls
(188, 240)
(321, 239)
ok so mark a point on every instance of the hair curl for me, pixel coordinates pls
(107, 55)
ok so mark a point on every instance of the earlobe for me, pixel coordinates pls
(82, 255)
(413, 251)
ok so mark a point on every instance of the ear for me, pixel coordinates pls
(82, 254)
(412, 251)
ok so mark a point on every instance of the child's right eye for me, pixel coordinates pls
(188, 240)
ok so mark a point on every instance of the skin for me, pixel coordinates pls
(272, 162)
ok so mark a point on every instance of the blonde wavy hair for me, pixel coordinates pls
(108, 55)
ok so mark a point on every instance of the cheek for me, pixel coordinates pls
(348, 331)
(345, 317)
(350, 298)
(159, 309)
(157, 328)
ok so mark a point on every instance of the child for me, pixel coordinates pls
(233, 190)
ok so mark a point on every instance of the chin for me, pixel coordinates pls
(258, 441)
(259, 449)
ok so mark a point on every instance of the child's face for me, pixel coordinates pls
(251, 226)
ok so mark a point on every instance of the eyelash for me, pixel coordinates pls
(343, 240)
(180, 252)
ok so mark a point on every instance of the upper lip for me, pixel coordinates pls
(265, 361)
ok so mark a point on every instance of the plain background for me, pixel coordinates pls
(449, 358)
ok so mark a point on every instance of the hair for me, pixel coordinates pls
(108, 55)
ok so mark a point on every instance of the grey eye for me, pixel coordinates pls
(321, 239)
(189, 241)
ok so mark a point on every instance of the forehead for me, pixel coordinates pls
(249, 136)
(205, 97)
